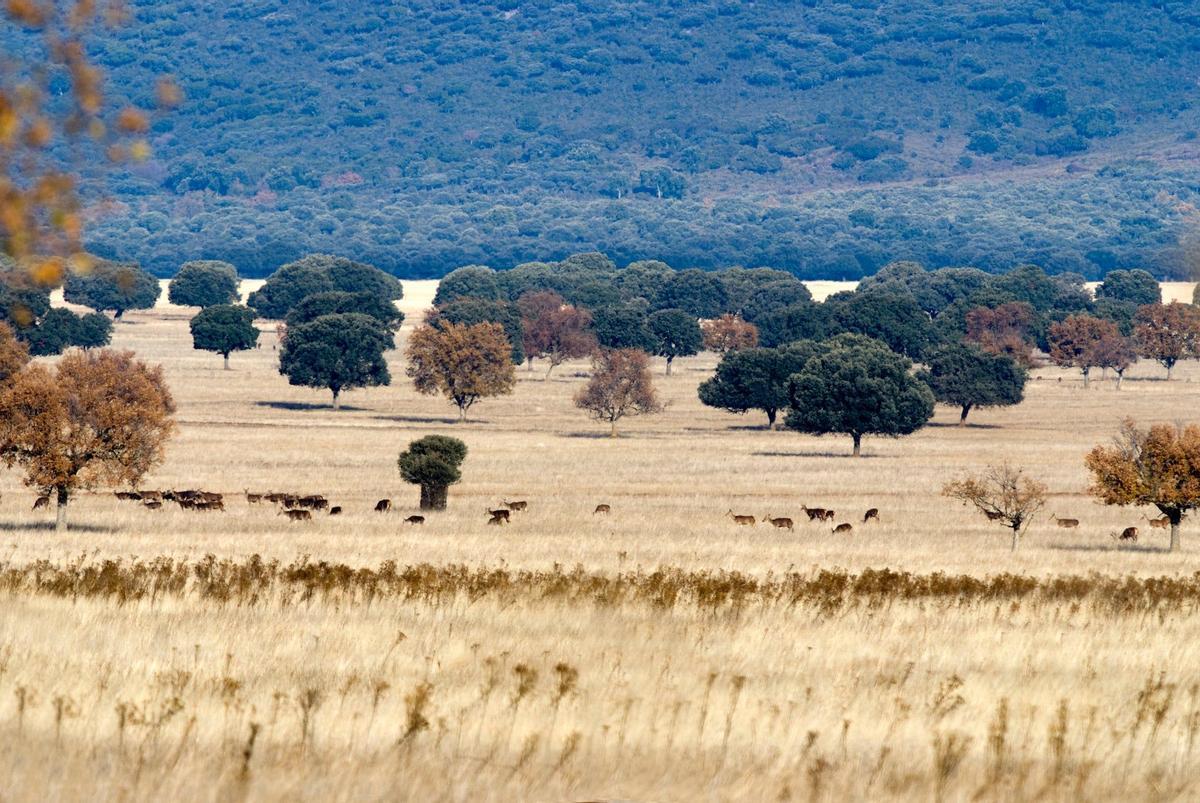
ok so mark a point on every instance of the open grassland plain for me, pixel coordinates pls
(659, 652)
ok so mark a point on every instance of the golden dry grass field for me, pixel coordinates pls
(574, 656)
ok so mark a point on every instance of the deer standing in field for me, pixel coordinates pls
(1160, 523)
(498, 520)
(297, 515)
(520, 505)
(1128, 534)
(743, 520)
(41, 502)
(780, 523)
(605, 509)
(871, 515)
(844, 527)
(336, 510)
(814, 513)
(415, 520)
(1066, 524)
(383, 505)
(500, 513)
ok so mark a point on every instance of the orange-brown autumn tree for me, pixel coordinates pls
(40, 211)
(1159, 466)
(463, 363)
(554, 330)
(729, 333)
(100, 418)
(1083, 342)
(1167, 333)
(13, 353)
(1004, 330)
(620, 386)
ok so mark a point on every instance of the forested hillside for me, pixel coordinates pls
(824, 138)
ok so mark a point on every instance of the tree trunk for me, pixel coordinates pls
(226, 361)
(962, 419)
(1016, 538)
(1086, 377)
(462, 414)
(857, 445)
(530, 368)
(771, 419)
(1120, 377)
(337, 400)
(433, 497)
(669, 359)
(60, 523)
(1175, 532)
(612, 432)
(1170, 370)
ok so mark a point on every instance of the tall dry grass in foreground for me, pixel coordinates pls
(246, 680)
(659, 653)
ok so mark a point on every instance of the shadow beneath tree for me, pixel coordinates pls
(306, 406)
(845, 454)
(1114, 547)
(428, 419)
(968, 425)
(48, 526)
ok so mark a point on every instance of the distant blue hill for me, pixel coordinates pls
(824, 138)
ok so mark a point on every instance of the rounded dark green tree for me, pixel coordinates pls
(857, 386)
(337, 352)
(966, 376)
(224, 328)
(674, 333)
(204, 283)
(699, 292)
(471, 281)
(756, 379)
(60, 329)
(468, 311)
(112, 287)
(622, 326)
(320, 273)
(1135, 286)
(433, 463)
(337, 302)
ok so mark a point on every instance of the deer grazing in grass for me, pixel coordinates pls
(1066, 524)
(383, 505)
(844, 527)
(605, 509)
(520, 505)
(498, 520)
(871, 515)
(297, 515)
(780, 523)
(415, 520)
(500, 513)
(814, 513)
(1128, 534)
(42, 502)
(336, 510)
(743, 520)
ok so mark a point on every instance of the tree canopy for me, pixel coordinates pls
(1134, 286)
(336, 302)
(469, 310)
(554, 330)
(756, 379)
(320, 273)
(463, 363)
(204, 283)
(338, 352)
(620, 387)
(1167, 333)
(433, 463)
(224, 328)
(857, 386)
(112, 287)
(967, 377)
(1082, 341)
(674, 333)
(98, 418)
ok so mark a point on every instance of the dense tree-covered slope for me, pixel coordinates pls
(821, 137)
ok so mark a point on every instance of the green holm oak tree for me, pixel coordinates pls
(337, 352)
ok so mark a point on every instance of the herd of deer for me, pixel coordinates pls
(820, 514)
(1128, 534)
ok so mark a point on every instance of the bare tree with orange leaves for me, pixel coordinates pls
(14, 355)
(729, 333)
(620, 386)
(41, 214)
(99, 418)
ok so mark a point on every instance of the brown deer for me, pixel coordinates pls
(41, 502)
(605, 509)
(498, 520)
(1066, 524)
(871, 515)
(209, 504)
(740, 519)
(253, 499)
(151, 496)
(415, 520)
(500, 513)
(844, 527)
(780, 523)
(829, 514)
(814, 513)
(1160, 523)
(297, 515)
(151, 504)
(520, 505)
(383, 505)
(1128, 534)
(336, 510)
